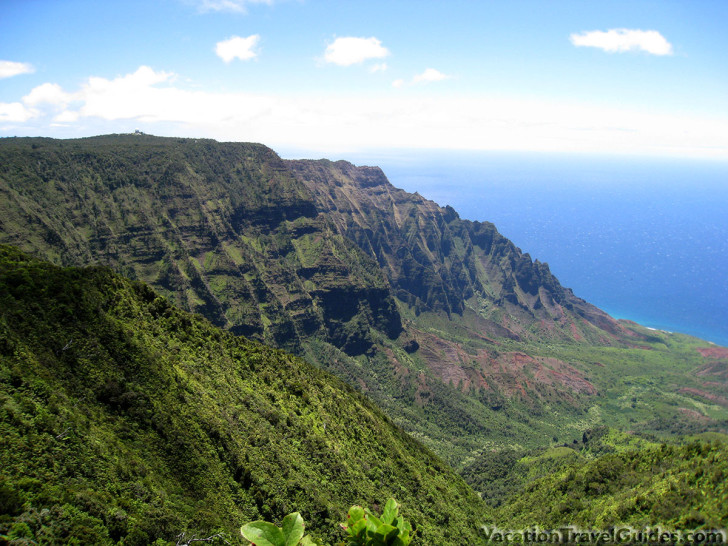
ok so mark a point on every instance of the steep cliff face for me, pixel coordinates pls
(276, 250)
(222, 229)
(435, 261)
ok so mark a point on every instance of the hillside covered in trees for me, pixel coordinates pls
(125, 419)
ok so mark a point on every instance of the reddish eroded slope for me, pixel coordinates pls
(715, 398)
(714, 352)
(511, 373)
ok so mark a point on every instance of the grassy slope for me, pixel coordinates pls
(124, 418)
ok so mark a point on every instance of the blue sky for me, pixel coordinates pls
(324, 77)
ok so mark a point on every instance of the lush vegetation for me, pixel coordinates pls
(462, 339)
(124, 419)
(681, 486)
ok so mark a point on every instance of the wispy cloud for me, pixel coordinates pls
(238, 48)
(619, 40)
(349, 50)
(430, 75)
(334, 123)
(8, 69)
(234, 6)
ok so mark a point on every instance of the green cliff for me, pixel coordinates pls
(224, 230)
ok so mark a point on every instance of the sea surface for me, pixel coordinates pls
(643, 239)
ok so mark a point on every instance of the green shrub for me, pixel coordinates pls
(263, 533)
(366, 529)
(363, 527)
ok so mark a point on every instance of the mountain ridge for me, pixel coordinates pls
(514, 278)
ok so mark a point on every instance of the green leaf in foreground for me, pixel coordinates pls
(363, 527)
(366, 529)
(263, 533)
(293, 528)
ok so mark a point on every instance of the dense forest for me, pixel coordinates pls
(127, 420)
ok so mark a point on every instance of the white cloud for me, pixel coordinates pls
(380, 67)
(134, 96)
(430, 75)
(333, 124)
(16, 112)
(48, 93)
(151, 96)
(67, 116)
(349, 50)
(8, 69)
(622, 39)
(235, 6)
(238, 48)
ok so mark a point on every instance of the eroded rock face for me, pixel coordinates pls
(275, 250)
(225, 230)
(434, 260)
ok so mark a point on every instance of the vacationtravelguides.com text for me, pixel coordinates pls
(617, 535)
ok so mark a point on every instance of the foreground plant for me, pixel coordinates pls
(263, 533)
(366, 529)
(363, 527)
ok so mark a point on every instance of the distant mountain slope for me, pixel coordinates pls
(124, 418)
(676, 487)
(437, 262)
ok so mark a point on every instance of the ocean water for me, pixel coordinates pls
(643, 239)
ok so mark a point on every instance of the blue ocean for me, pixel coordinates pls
(643, 239)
